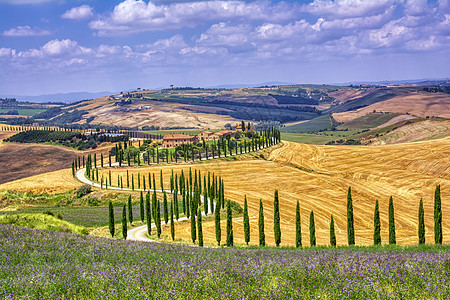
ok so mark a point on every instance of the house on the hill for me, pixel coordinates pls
(173, 140)
(222, 134)
(205, 135)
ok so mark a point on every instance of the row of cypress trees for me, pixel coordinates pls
(195, 214)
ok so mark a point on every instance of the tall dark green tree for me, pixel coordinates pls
(111, 219)
(262, 236)
(229, 225)
(175, 202)
(172, 225)
(421, 223)
(350, 220)
(148, 213)
(157, 209)
(312, 230)
(246, 222)
(392, 239)
(437, 216)
(217, 223)
(298, 227)
(332, 233)
(141, 206)
(124, 222)
(130, 210)
(200, 228)
(276, 219)
(376, 226)
(165, 210)
(193, 225)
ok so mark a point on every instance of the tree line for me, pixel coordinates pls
(214, 200)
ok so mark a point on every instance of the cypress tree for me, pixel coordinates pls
(332, 233)
(101, 160)
(130, 210)
(392, 239)
(111, 219)
(437, 216)
(175, 202)
(148, 213)
(350, 222)
(132, 182)
(193, 229)
(205, 198)
(166, 214)
(421, 224)
(172, 225)
(217, 223)
(298, 227)
(73, 169)
(200, 229)
(312, 230)
(246, 222)
(124, 222)
(276, 219)
(161, 180)
(262, 236)
(229, 225)
(141, 206)
(376, 226)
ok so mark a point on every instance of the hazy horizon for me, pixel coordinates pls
(63, 46)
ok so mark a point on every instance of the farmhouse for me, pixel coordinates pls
(222, 134)
(205, 135)
(173, 140)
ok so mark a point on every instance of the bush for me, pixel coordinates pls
(93, 201)
(48, 212)
(83, 190)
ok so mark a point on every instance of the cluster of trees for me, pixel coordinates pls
(193, 190)
(127, 153)
(214, 192)
(63, 137)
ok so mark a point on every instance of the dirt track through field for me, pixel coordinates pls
(318, 177)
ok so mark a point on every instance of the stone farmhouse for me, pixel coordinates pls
(173, 140)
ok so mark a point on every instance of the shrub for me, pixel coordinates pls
(48, 212)
(83, 190)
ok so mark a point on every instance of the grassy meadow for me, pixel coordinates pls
(59, 265)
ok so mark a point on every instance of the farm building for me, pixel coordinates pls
(173, 140)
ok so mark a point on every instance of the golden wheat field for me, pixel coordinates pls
(318, 177)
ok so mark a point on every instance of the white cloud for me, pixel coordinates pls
(348, 8)
(138, 16)
(26, 31)
(79, 13)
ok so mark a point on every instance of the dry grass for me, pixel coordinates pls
(408, 172)
(418, 104)
(52, 182)
(24, 160)
(419, 131)
(163, 114)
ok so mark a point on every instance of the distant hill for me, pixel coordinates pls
(59, 97)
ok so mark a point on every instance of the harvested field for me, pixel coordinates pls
(417, 104)
(420, 131)
(318, 177)
(163, 114)
(24, 160)
(52, 182)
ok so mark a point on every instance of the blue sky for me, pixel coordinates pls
(50, 46)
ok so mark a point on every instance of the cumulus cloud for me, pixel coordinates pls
(79, 13)
(139, 16)
(26, 31)
(341, 9)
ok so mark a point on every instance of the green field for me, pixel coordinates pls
(306, 138)
(319, 123)
(25, 111)
(368, 121)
